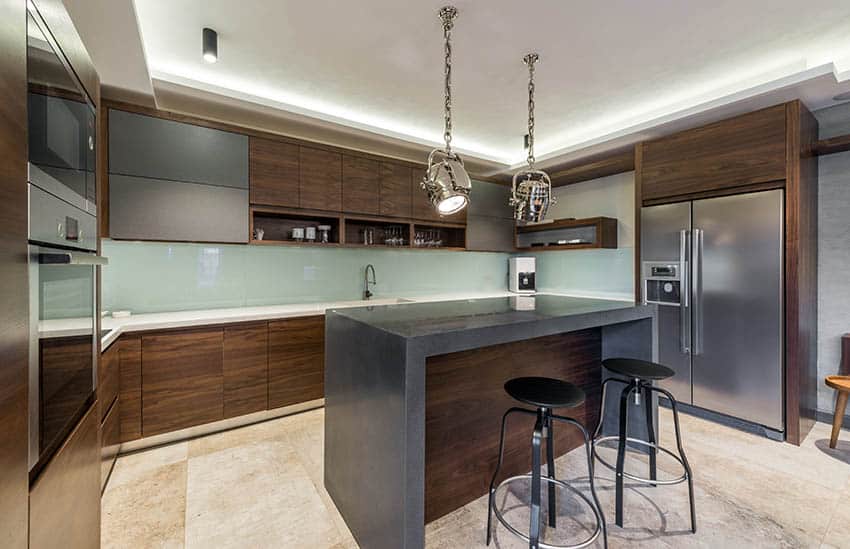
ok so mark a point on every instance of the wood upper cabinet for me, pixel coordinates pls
(182, 381)
(64, 508)
(395, 199)
(245, 368)
(320, 182)
(296, 360)
(274, 172)
(741, 151)
(360, 185)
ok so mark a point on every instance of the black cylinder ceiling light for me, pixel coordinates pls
(210, 45)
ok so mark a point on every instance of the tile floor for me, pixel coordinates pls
(261, 486)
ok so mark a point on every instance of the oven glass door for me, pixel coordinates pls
(61, 123)
(63, 346)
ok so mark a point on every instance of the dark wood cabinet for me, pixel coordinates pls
(130, 386)
(65, 499)
(743, 151)
(108, 380)
(360, 185)
(110, 441)
(320, 181)
(395, 198)
(296, 360)
(274, 172)
(182, 380)
(245, 369)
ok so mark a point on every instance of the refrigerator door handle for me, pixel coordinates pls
(684, 308)
(696, 276)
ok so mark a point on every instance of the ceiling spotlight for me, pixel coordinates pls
(210, 45)
(446, 180)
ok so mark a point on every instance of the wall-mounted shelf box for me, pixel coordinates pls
(568, 234)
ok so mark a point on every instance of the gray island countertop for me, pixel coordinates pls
(380, 360)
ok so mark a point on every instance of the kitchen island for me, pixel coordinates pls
(414, 398)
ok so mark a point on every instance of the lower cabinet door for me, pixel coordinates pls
(246, 369)
(65, 499)
(296, 360)
(181, 380)
(110, 441)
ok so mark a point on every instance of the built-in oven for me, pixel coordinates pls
(62, 247)
(61, 121)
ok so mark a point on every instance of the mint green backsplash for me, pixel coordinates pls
(146, 277)
(600, 273)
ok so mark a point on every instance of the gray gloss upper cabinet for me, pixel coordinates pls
(489, 223)
(145, 146)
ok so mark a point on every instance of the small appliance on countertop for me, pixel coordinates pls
(521, 273)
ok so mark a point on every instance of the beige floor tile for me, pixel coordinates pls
(130, 467)
(258, 495)
(148, 511)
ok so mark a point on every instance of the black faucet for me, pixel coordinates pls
(366, 293)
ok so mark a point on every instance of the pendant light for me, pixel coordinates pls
(446, 180)
(531, 191)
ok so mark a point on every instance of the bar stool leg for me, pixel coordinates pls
(550, 459)
(621, 453)
(492, 493)
(838, 417)
(650, 430)
(536, 440)
(685, 463)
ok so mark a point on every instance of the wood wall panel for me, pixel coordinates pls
(296, 360)
(65, 499)
(395, 190)
(246, 368)
(182, 379)
(273, 172)
(14, 340)
(592, 168)
(130, 386)
(740, 151)
(801, 249)
(360, 185)
(320, 180)
(463, 412)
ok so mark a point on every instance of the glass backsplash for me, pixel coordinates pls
(147, 277)
(604, 273)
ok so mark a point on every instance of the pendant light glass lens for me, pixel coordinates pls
(452, 204)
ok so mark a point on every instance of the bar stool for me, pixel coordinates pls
(544, 394)
(642, 374)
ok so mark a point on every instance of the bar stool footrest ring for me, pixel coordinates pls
(661, 482)
(544, 479)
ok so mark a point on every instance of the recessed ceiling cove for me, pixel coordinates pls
(610, 65)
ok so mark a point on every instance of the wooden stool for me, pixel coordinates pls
(842, 385)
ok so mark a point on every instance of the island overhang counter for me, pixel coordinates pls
(414, 398)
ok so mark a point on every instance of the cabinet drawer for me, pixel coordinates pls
(108, 379)
(296, 360)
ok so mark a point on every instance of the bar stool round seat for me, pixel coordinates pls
(638, 369)
(544, 392)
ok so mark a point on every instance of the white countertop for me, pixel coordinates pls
(182, 319)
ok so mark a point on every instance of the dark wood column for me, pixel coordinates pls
(14, 486)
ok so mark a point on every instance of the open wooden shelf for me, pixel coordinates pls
(452, 237)
(593, 232)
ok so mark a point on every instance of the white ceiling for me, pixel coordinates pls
(608, 70)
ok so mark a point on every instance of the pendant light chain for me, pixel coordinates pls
(530, 60)
(448, 14)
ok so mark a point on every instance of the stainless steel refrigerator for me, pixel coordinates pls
(714, 267)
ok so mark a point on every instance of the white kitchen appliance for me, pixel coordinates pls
(521, 272)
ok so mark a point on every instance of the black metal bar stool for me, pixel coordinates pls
(544, 394)
(642, 374)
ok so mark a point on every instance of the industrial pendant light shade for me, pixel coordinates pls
(446, 180)
(531, 191)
